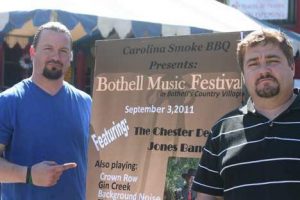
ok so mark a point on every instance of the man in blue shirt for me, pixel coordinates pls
(44, 126)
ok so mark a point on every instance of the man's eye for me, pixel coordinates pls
(252, 64)
(64, 51)
(272, 61)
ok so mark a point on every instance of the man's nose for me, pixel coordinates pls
(55, 55)
(264, 64)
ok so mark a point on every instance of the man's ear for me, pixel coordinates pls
(32, 51)
(293, 68)
(71, 56)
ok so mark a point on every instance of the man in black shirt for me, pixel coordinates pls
(253, 152)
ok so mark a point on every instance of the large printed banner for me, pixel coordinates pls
(154, 102)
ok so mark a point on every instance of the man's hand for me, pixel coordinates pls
(202, 196)
(47, 173)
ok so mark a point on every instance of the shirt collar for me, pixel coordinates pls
(249, 107)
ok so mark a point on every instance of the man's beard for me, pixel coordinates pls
(52, 74)
(268, 90)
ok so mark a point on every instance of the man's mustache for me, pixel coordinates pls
(54, 62)
(269, 76)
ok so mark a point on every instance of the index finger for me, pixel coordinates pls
(70, 165)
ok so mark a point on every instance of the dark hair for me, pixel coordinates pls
(54, 26)
(264, 37)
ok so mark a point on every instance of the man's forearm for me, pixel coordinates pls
(12, 173)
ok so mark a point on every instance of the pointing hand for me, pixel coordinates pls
(47, 173)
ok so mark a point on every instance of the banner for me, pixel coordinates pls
(154, 102)
(262, 9)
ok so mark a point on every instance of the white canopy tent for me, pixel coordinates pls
(155, 17)
(206, 14)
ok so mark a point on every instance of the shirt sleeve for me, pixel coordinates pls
(6, 118)
(208, 179)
